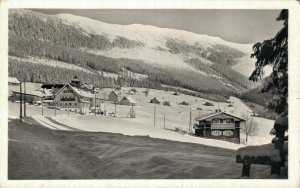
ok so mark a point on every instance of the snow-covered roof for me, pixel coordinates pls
(131, 100)
(79, 92)
(200, 118)
(115, 92)
(32, 89)
(48, 100)
(101, 94)
(259, 151)
(83, 93)
(154, 99)
(13, 80)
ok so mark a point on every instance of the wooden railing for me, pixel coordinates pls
(274, 154)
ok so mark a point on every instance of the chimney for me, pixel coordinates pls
(218, 110)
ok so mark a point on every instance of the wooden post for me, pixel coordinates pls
(164, 121)
(24, 99)
(190, 123)
(42, 109)
(68, 111)
(95, 102)
(115, 108)
(54, 108)
(21, 102)
(275, 168)
(246, 170)
(154, 115)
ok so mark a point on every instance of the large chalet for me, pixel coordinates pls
(219, 125)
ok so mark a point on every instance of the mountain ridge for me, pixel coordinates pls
(166, 56)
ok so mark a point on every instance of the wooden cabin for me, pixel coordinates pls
(113, 96)
(127, 101)
(13, 81)
(154, 101)
(219, 125)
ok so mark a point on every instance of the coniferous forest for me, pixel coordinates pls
(36, 35)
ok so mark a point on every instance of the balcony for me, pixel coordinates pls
(222, 126)
(67, 99)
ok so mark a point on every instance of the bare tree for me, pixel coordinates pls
(249, 127)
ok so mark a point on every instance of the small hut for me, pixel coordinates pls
(113, 96)
(127, 101)
(154, 101)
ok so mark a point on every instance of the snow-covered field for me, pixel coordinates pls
(167, 119)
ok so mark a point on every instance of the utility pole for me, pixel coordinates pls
(102, 79)
(164, 121)
(115, 108)
(95, 100)
(190, 124)
(54, 108)
(20, 101)
(24, 99)
(154, 115)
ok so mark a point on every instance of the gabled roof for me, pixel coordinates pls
(79, 92)
(200, 118)
(101, 94)
(33, 89)
(131, 100)
(113, 91)
(154, 100)
(50, 86)
(13, 80)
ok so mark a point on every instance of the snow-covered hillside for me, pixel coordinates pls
(151, 36)
(154, 40)
(189, 60)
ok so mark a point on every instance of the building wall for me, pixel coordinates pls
(125, 102)
(113, 97)
(13, 84)
(84, 108)
(67, 98)
(28, 98)
(219, 130)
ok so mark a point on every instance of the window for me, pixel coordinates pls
(70, 104)
(229, 120)
(228, 133)
(67, 98)
(75, 104)
(216, 120)
(216, 133)
(66, 104)
(67, 91)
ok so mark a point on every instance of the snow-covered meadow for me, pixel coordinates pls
(168, 119)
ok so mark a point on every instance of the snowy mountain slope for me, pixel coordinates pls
(212, 58)
(151, 36)
(154, 39)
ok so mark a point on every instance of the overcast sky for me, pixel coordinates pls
(242, 26)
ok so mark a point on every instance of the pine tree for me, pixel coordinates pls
(274, 52)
